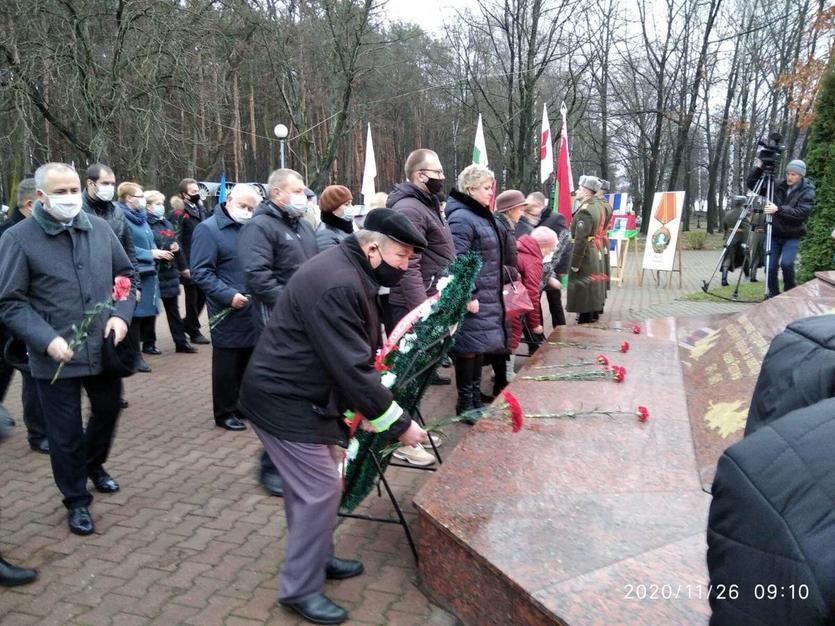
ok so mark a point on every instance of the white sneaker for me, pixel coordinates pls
(415, 456)
(437, 439)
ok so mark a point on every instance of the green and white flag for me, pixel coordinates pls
(480, 148)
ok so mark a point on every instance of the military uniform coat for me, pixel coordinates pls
(586, 286)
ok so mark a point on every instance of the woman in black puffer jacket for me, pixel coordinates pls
(483, 330)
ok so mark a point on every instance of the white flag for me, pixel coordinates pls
(369, 173)
(480, 148)
(546, 148)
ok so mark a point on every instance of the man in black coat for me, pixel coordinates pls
(772, 522)
(315, 361)
(32, 413)
(53, 268)
(794, 199)
(272, 246)
(186, 219)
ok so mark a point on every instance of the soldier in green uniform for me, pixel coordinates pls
(735, 254)
(586, 278)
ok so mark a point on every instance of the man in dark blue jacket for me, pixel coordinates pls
(216, 270)
(272, 247)
(54, 267)
(794, 199)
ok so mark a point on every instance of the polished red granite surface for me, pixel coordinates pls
(597, 519)
(721, 361)
(571, 518)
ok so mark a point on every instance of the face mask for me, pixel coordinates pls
(387, 275)
(297, 205)
(194, 198)
(435, 185)
(141, 203)
(104, 192)
(158, 211)
(547, 258)
(241, 216)
(64, 207)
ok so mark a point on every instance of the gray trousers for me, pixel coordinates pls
(312, 491)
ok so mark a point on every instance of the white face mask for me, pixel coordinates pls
(547, 258)
(104, 192)
(241, 216)
(297, 205)
(158, 211)
(64, 207)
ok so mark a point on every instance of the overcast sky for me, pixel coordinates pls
(429, 14)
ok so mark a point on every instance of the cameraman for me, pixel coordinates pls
(793, 201)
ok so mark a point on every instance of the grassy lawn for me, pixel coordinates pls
(748, 292)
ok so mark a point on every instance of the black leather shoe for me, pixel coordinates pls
(123, 404)
(80, 521)
(200, 340)
(104, 482)
(151, 349)
(41, 445)
(12, 576)
(437, 379)
(142, 366)
(231, 423)
(318, 609)
(340, 569)
(186, 348)
(446, 362)
(272, 482)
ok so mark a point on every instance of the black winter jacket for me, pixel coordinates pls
(473, 228)
(771, 527)
(426, 266)
(168, 272)
(315, 358)
(186, 220)
(271, 248)
(111, 214)
(794, 208)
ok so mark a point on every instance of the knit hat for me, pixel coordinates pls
(395, 226)
(510, 199)
(333, 197)
(797, 166)
(590, 182)
(544, 237)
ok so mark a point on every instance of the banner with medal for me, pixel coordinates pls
(663, 231)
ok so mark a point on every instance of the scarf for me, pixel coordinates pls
(346, 226)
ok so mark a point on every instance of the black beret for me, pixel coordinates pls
(395, 226)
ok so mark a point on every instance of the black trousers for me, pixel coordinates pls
(147, 330)
(32, 414)
(554, 297)
(228, 365)
(74, 452)
(195, 302)
(175, 322)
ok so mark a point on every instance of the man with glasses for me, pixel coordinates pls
(417, 200)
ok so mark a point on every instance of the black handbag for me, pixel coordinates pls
(118, 361)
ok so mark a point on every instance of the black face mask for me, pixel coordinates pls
(435, 185)
(387, 275)
(194, 198)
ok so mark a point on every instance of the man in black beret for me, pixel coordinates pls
(313, 362)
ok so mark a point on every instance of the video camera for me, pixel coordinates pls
(769, 151)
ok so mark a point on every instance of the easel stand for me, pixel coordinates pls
(423, 375)
(623, 257)
(676, 269)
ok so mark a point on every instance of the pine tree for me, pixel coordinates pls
(817, 247)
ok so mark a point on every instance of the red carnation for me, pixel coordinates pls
(380, 360)
(618, 373)
(636, 329)
(168, 233)
(516, 416)
(624, 347)
(602, 360)
(121, 288)
(643, 413)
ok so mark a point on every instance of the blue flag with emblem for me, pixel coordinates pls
(221, 193)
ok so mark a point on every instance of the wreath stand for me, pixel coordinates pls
(423, 375)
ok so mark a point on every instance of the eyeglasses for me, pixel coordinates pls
(139, 196)
(438, 172)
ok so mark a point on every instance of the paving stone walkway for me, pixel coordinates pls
(191, 538)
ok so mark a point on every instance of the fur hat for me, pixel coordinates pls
(333, 197)
(590, 182)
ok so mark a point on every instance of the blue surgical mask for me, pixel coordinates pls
(158, 211)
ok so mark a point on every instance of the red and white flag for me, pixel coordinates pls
(546, 148)
(565, 183)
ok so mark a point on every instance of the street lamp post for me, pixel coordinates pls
(281, 132)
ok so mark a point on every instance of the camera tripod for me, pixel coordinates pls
(766, 181)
